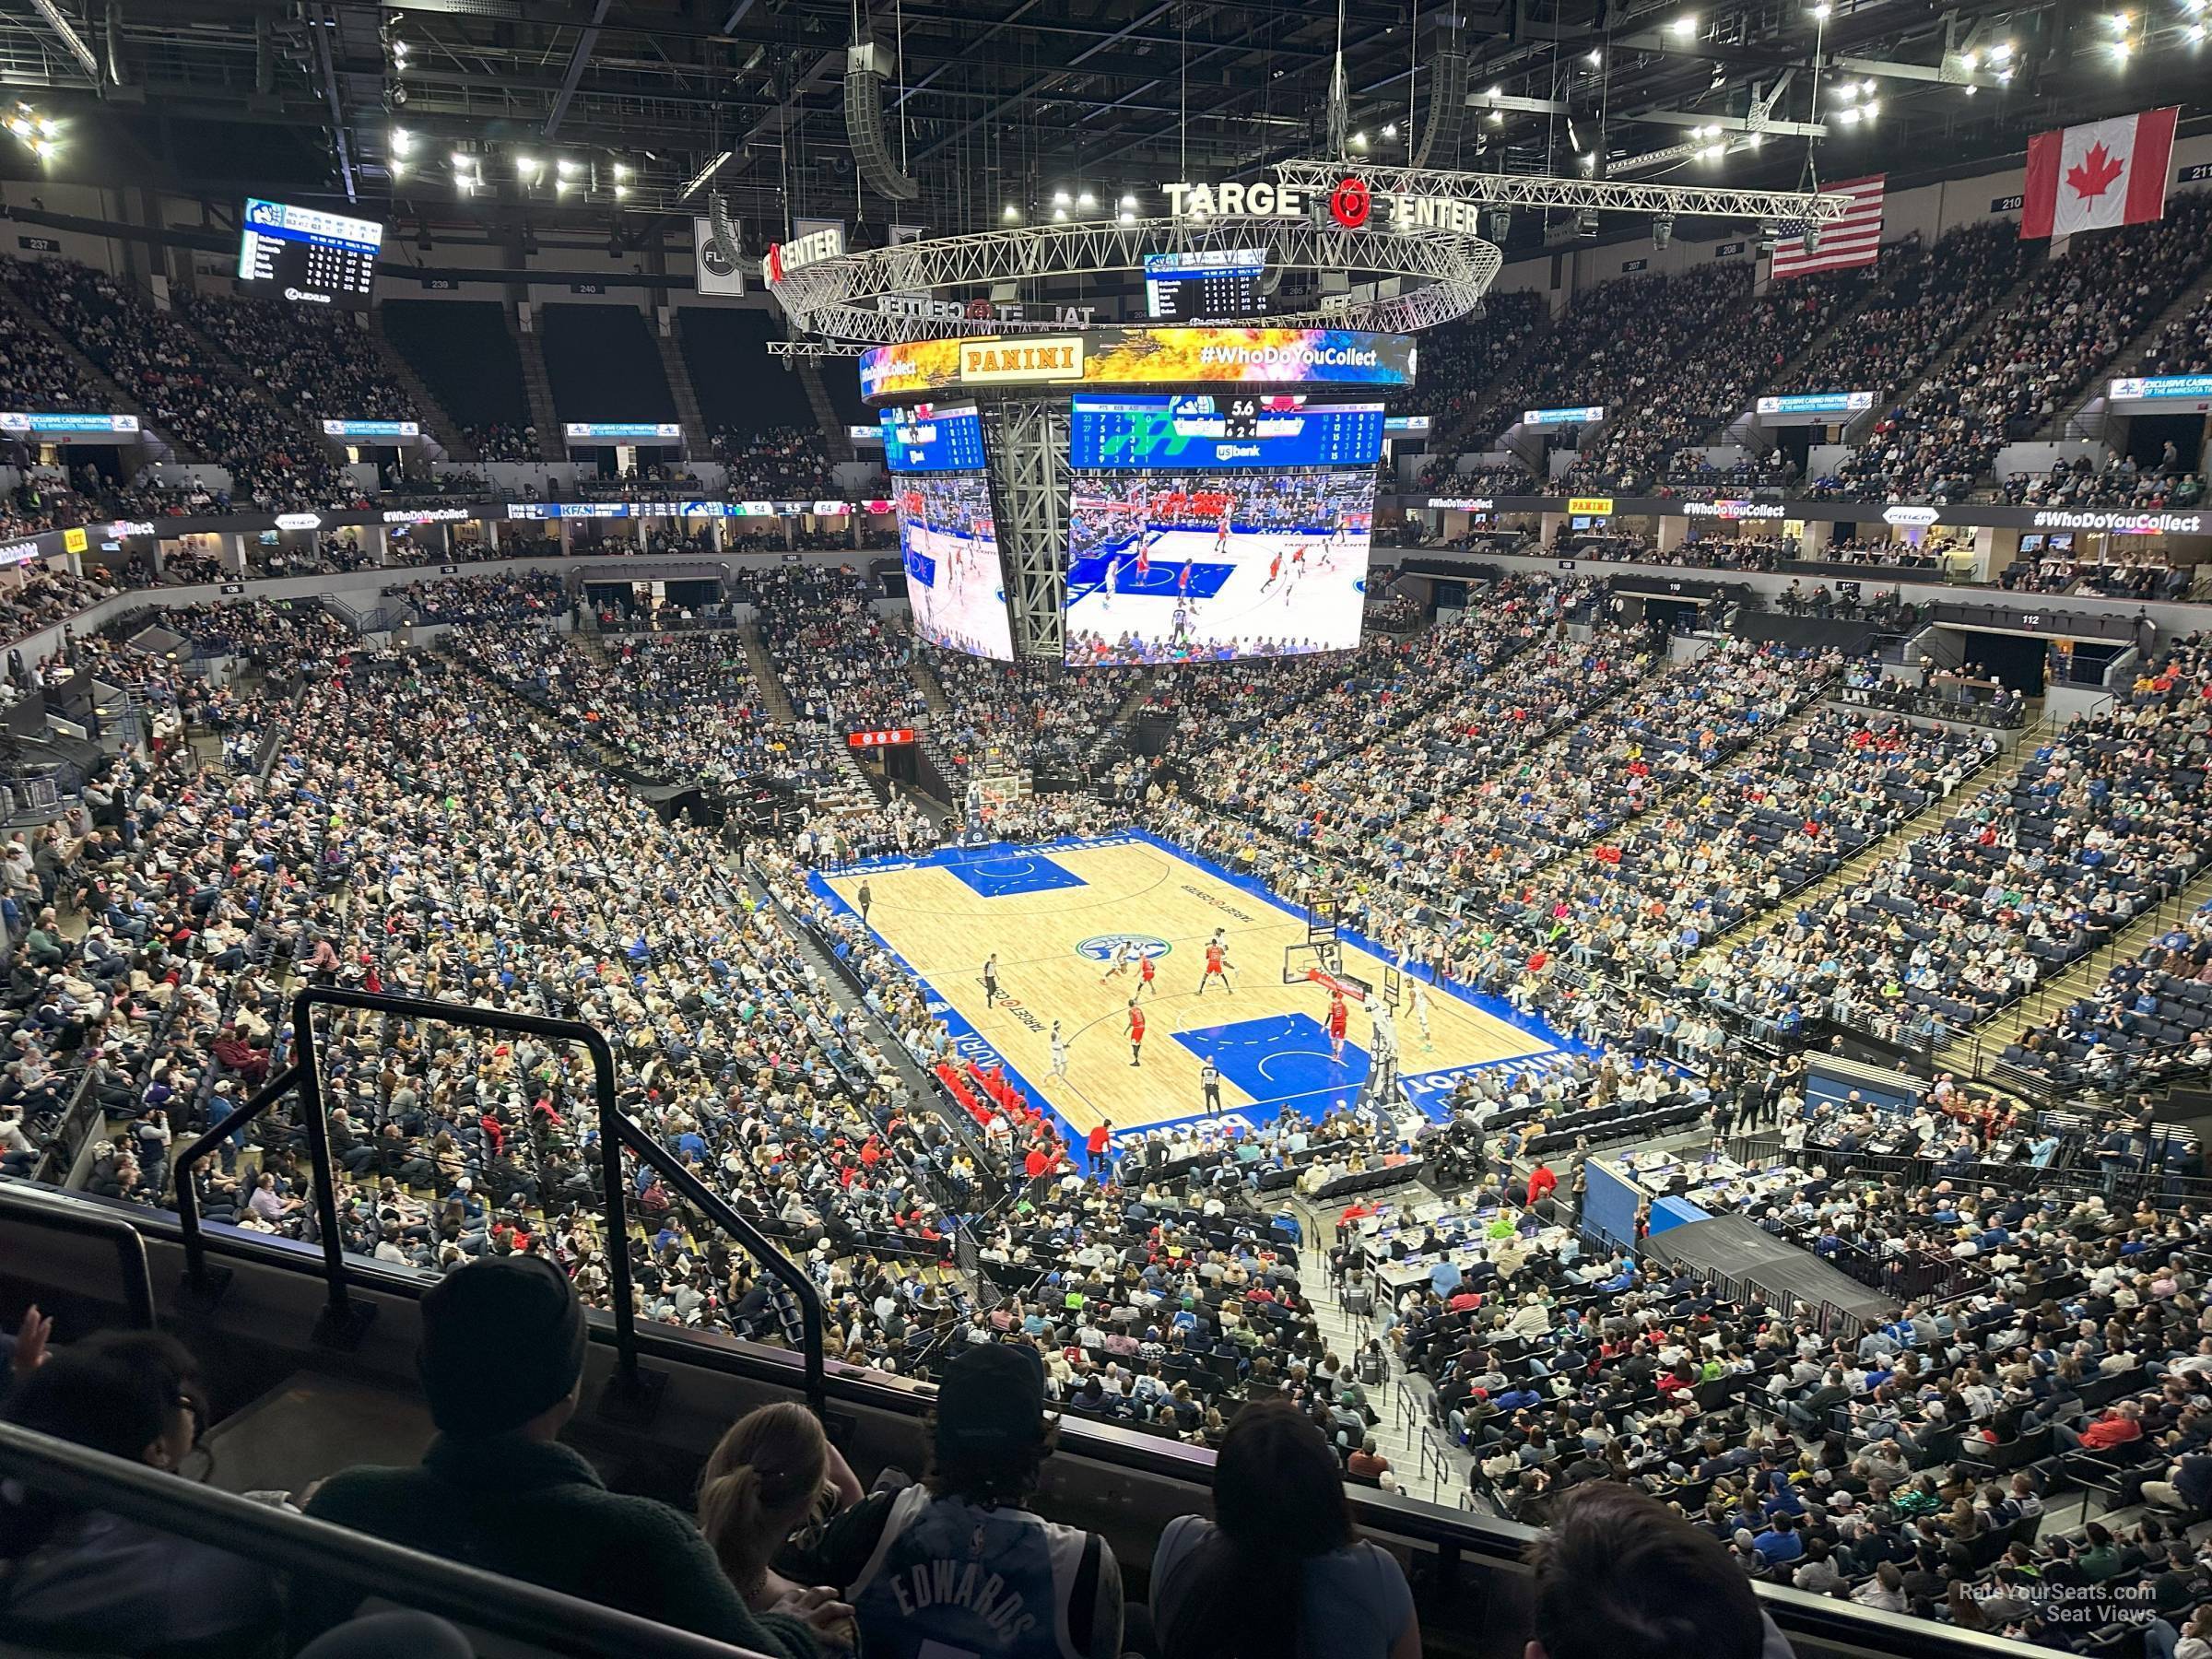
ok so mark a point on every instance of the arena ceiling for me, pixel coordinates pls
(594, 115)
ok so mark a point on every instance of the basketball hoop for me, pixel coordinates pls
(1342, 984)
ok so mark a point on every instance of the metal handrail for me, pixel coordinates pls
(284, 1540)
(63, 1214)
(343, 1317)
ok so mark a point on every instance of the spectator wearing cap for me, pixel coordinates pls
(502, 1363)
(1016, 1580)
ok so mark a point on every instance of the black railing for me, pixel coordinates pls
(288, 1542)
(343, 1317)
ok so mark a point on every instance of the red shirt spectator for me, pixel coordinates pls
(1540, 1183)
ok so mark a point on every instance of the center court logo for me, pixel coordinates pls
(1101, 947)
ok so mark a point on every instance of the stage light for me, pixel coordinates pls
(1391, 130)
(1129, 201)
(1086, 200)
(621, 191)
(463, 158)
(1846, 92)
(1059, 216)
(1683, 28)
(526, 166)
(1970, 90)
(562, 186)
(1756, 140)
(2000, 52)
(1594, 57)
(1867, 89)
(621, 172)
(1663, 229)
(1497, 117)
(1009, 213)
(1972, 61)
(402, 141)
(1848, 117)
(2194, 34)
(1060, 198)
(1128, 217)
(1360, 140)
(2122, 48)
(1821, 14)
(1872, 107)
(567, 168)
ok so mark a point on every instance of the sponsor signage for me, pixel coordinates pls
(1557, 417)
(299, 521)
(430, 515)
(998, 362)
(1351, 204)
(867, 434)
(1734, 509)
(800, 252)
(862, 740)
(20, 552)
(1589, 506)
(660, 509)
(2160, 388)
(1817, 403)
(1463, 503)
(1234, 356)
(576, 431)
(14, 421)
(1405, 425)
(2123, 523)
(123, 527)
(372, 428)
(1910, 518)
(715, 270)
(75, 540)
(922, 308)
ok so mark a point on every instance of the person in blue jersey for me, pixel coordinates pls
(1278, 1573)
(955, 1567)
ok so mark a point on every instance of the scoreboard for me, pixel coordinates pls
(306, 254)
(1125, 434)
(1203, 286)
(929, 439)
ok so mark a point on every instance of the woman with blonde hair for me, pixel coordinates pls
(773, 1473)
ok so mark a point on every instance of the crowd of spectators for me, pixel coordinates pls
(778, 463)
(323, 363)
(495, 440)
(843, 664)
(2022, 367)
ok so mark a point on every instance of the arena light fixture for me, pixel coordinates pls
(526, 166)
(1497, 117)
(1970, 90)
(1867, 89)
(1086, 200)
(1009, 213)
(463, 158)
(1061, 198)
(1849, 117)
(1129, 201)
(1821, 14)
(1594, 57)
(2000, 52)
(1872, 107)
(567, 169)
(2122, 48)
(1389, 129)
(2194, 34)
(1126, 217)
(622, 192)
(1059, 216)
(402, 141)
(1684, 27)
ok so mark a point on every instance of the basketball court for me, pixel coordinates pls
(1053, 914)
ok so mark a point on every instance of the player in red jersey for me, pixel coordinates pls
(1217, 966)
(1275, 570)
(1144, 976)
(1339, 1016)
(1144, 560)
(1136, 1033)
(1222, 529)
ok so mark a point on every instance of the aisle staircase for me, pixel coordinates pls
(763, 667)
(838, 441)
(932, 688)
(1745, 429)
(1987, 1041)
(1398, 1434)
(2087, 415)
(158, 445)
(531, 347)
(437, 425)
(697, 445)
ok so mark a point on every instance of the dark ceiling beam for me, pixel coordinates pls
(573, 76)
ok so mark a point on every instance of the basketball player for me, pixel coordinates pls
(1144, 976)
(1217, 966)
(991, 980)
(1059, 1045)
(1182, 581)
(1420, 1012)
(1339, 1016)
(1136, 1033)
(1221, 531)
(1209, 1089)
(1120, 964)
(1143, 558)
(1275, 570)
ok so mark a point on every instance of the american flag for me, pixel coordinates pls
(1853, 239)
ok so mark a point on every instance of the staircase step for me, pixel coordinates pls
(435, 421)
(551, 446)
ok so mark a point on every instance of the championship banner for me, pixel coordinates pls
(710, 272)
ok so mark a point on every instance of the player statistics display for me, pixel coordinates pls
(308, 256)
(948, 540)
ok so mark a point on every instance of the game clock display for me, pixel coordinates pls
(306, 255)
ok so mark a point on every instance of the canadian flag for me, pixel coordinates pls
(2098, 175)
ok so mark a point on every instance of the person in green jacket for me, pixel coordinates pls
(502, 1363)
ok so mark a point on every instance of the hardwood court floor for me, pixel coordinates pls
(1051, 914)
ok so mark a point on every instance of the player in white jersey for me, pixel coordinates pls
(1059, 1045)
(1420, 1011)
(1120, 964)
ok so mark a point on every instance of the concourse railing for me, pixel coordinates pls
(345, 1317)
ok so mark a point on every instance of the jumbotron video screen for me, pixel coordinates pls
(955, 581)
(1201, 530)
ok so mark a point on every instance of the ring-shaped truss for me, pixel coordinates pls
(1443, 274)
